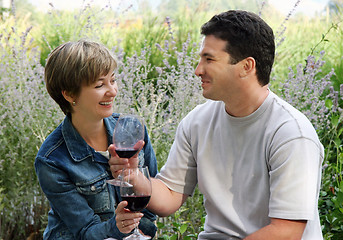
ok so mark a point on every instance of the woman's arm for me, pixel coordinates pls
(70, 205)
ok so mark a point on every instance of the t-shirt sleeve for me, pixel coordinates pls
(180, 171)
(295, 173)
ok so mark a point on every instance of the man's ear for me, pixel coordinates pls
(68, 96)
(248, 67)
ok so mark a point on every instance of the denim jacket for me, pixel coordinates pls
(72, 175)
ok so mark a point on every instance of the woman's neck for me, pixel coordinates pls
(93, 132)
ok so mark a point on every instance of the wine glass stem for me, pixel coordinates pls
(136, 231)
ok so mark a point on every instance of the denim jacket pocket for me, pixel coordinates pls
(96, 193)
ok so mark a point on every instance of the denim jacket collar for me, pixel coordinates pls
(76, 145)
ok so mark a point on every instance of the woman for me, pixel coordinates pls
(72, 164)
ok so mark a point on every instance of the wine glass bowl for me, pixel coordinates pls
(128, 133)
(128, 137)
(135, 188)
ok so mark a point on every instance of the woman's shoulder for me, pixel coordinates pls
(52, 142)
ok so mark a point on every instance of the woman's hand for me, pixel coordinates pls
(126, 220)
(117, 164)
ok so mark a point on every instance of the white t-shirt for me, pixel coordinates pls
(249, 169)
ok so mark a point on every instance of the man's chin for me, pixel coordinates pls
(207, 95)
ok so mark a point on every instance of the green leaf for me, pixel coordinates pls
(190, 236)
(339, 199)
(183, 228)
(328, 104)
(340, 131)
(337, 142)
(160, 225)
(174, 237)
(175, 224)
(334, 118)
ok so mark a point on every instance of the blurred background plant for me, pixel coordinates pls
(157, 52)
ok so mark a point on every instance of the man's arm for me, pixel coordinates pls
(164, 201)
(280, 229)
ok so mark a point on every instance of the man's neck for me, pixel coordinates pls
(248, 102)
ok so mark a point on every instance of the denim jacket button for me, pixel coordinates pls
(93, 188)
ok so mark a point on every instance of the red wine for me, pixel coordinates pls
(126, 152)
(136, 203)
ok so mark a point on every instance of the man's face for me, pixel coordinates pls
(219, 78)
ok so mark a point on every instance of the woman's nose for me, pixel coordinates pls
(112, 90)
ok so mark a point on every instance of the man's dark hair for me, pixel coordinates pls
(247, 35)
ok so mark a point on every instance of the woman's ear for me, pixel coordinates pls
(248, 67)
(67, 96)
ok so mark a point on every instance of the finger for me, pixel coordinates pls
(111, 149)
(122, 213)
(116, 163)
(119, 162)
(127, 226)
(134, 161)
(115, 170)
(126, 220)
(139, 145)
(115, 159)
(120, 209)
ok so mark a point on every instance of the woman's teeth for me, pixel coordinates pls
(105, 103)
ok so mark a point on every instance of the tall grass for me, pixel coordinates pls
(157, 54)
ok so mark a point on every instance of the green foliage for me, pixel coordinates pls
(331, 195)
(186, 223)
(58, 27)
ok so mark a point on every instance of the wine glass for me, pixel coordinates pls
(135, 188)
(128, 136)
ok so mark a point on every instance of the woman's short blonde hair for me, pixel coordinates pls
(73, 65)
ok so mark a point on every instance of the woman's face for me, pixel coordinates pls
(95, 101)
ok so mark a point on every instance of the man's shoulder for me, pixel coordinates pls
(207, 108)
(289, 121)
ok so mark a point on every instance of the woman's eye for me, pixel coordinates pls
(99, 86)
(113, 80)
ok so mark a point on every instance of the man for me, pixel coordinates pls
(255, 158)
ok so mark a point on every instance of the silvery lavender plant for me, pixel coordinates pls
(27, 115)
(162, 100)
(279, 35)
(310, 93)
